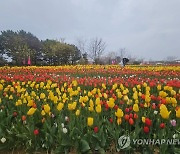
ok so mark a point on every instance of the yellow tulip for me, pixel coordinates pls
(136, 101)
(173, 92)
(72, 106)
(111, 102)
(119, 121)
(135, 96)
(114, 86)
(147, 98)
(138, 86)
(42, 96)
(99, 94)
(164, 112)
(135, 108)
(1, 87)
(47, 108)
(119, 113)
(30, 103)
(119, 94)
(143, 119)
(86, 98)
(43, 113)
(31, 111)
(159, 87)
(90, 121)
(178, 113)
(60, 106)
(89, 94)
(91, 108)
(105, 95)
(78, 89)
(74, 83)
(145, 84)
(125, 98)
(11, 97)
(81, 99)
(174, 102)
(98, 101)
(77, 112)
(103, 86)
(98, 108)
(19, 102)
(55, 99)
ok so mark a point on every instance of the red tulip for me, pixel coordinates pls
(143, 96)
(146, 129)
(130, 115)
(130, 108)
(153, 97)
(135, 116)
(36, 131)
(96, 129)
(131, 121)
(162, 125)
(111, 120)
(153, 106)
(15, 114)
(34, 105)
(126, 117)
(115, 107)
(23, 118)
(106, 106)
(148, 122)
(127, 110)
(141, 105)
(121, 102)
(163, 101)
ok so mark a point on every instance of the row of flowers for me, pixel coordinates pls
(76, 115)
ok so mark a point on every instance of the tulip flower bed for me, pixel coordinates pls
(85, 109)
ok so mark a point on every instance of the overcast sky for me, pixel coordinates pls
(148, 29)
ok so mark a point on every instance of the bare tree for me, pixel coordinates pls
(111, 56)
(81, 44)
(122, 53)
(62, 40)
(96, 49)
(170, 58)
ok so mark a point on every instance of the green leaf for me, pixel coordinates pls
(103, 141)
(177, 150)
(101, 151)
(84, 146)
(66, 141)
(3, 146)
(75, 131)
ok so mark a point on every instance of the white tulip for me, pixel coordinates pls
(62, 125)
(175, 136)
(65, 130)
(3, 140)
(66, 118)
(155, 112)
(55, 124)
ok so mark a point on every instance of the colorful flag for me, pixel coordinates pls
(29, 61)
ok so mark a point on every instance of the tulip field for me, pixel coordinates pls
(87, 108)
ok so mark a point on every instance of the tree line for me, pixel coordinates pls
(16, 48)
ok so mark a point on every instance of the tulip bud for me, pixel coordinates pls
(96, 129)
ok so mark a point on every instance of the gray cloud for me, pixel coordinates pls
(147, 29)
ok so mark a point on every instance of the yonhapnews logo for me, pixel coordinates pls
(124, 141)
